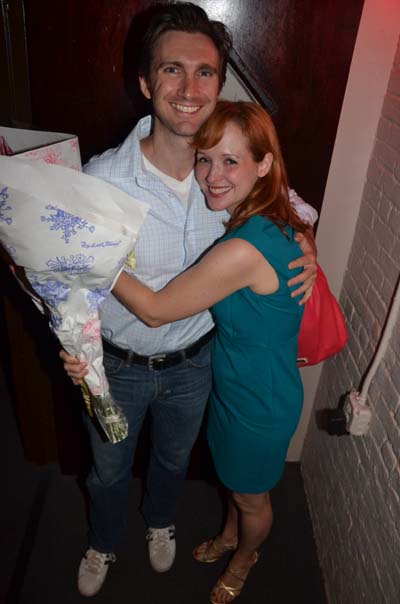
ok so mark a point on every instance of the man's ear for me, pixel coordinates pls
(265, 164)
(144, 87)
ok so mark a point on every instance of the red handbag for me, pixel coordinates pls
(322, 330)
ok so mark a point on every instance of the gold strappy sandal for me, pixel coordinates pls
(212, 550)
(233, 592)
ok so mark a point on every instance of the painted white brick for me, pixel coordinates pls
(387, 418)
(394, 85)
(386, 155)
(388, 184)
(389, 394)
(386, 207)
(384, 128)
(367, 213)
(376, 303)
(390, 266)
(390, 362)
(394, 219)
(378, 432)
(374, 176)
(389, 457)
(375, 273)
(394, 137)
(382, 230)
(353, 483)
(391, 108)
(396, 172)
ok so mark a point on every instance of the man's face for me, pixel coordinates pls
(184, 82)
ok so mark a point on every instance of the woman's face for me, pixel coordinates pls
(227, 172)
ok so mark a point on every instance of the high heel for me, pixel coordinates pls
(233, 592)
(212, 550)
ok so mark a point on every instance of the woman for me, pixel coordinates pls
(257, 395)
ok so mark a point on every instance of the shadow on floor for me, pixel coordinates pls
(45, 538)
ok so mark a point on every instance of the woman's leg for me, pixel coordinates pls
(213, 549)
(255, 521)
(230, 531)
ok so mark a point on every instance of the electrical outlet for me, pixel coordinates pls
(358, 414)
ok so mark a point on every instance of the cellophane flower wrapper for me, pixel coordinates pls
(72, 234)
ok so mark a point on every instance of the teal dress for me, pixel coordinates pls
(257, 392)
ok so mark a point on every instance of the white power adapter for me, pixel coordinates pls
(358, 414)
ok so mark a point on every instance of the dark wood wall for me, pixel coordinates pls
(300, 50)
(81, 56)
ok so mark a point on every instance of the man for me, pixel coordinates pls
(166, 370)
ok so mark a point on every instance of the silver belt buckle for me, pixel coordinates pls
(155, 359)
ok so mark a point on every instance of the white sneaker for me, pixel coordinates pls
(162, 547)
(92, 571)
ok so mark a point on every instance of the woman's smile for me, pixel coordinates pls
(228, 172)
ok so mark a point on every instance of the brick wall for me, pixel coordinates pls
(353, 483)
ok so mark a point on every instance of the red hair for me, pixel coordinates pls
(270, 195)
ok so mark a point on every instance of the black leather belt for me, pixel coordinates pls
(158, 361)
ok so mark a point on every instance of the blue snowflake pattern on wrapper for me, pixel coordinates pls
(3, 207)
(51, 291)
(56, 321)
(65, 222)
(74, 265)
(95, 297)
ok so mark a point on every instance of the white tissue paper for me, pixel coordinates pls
(72, 234)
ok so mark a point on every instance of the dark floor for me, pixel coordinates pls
(45, 535)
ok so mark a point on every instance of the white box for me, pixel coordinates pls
(49, 147)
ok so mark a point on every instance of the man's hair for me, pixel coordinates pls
(189, 18)
(269, 196)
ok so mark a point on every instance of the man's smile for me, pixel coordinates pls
(186, 108)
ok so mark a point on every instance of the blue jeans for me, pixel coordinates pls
(176, 397)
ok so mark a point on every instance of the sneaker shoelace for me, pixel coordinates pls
(96, 560)
(160, 537)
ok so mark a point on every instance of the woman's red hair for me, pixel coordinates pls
(269, 196)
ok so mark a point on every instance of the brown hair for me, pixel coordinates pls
(189, 18)
(269, 196)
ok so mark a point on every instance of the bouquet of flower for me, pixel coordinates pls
(72, 234)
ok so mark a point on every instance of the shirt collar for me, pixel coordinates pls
(132, 166)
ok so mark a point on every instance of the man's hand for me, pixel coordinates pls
(309, 263)
(75, 368)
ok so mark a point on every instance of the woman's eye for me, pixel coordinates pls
(202, 160)
(230, 162)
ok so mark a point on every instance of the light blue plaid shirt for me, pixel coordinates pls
(170, 240)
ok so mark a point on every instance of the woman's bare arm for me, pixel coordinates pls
(229, 266)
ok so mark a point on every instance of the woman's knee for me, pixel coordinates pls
(251, 503)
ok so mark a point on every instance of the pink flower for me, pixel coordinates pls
(91, 330)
